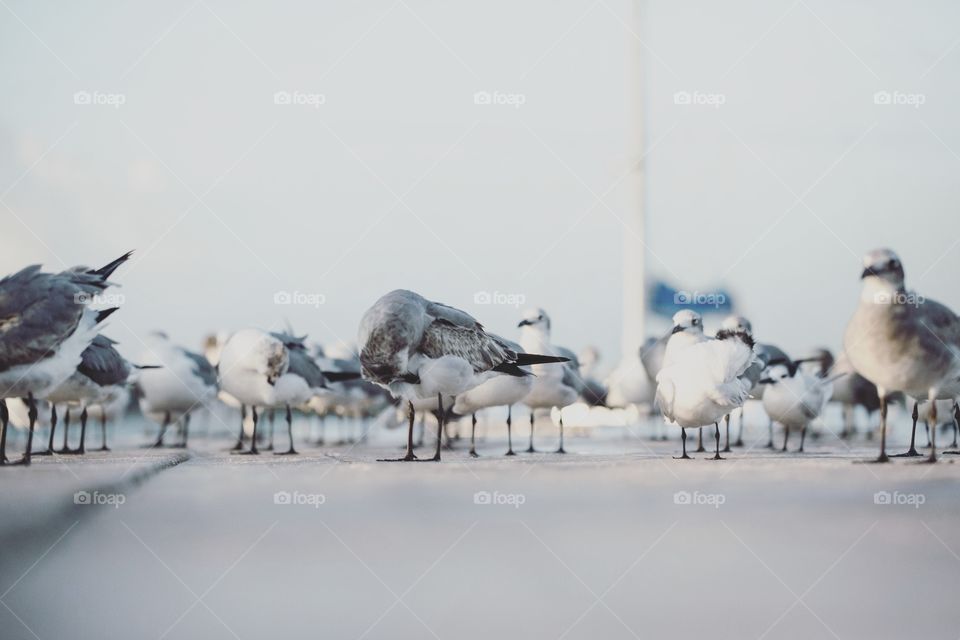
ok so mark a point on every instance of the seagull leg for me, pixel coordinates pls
(803, 438)
(103, 430)
(913, 435)
(253, 451)
(786, 436)
(932, 458)
(411, 416)
(323, 423)
(683, 439)
(423, 429)
(32, 413)
(700, 447)
(291, 451)
(770, 434)
(270, 418)
(243, 418)
(560, 449)
(163, 429)
(530, 449)
(883, 457)
(83, 435)
(716, 427)
(956, 427)
(66, 431)
(441, 423)
(53, 429)
(186, 429)
(509, 431)
(739, 442)
(4, 422)
(473, 429)
(726, 446)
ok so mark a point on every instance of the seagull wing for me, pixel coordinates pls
(103, 364)
(482, 351)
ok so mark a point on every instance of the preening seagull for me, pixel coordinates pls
(251, 364)
(705, 381)
(46, 322)
(416, 348)
(176, 381)
(553, 386)
(496, 392)
(900, 341)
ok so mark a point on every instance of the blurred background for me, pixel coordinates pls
(294, 161)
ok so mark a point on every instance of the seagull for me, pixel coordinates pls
(553, 386)
(112, 409)
(495, 392)
(251, 365)
(687, 331)
(705, 381)
(46, 322)
(419, 349)
(794, 397)
(175, 382)
(946, 405)
(101, 378)
(900, 341)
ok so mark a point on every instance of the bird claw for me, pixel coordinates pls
(913, 453)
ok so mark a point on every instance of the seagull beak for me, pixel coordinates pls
(765, 381)
(676, 329)
(524, 323)
(869, 271)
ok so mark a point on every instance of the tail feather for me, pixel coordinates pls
(104, 314)
(524, 359)
(107, 270)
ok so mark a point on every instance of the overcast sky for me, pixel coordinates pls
(385, 172)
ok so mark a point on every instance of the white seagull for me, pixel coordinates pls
(419, 349)
(900, 341)
(45, 324)
(553, 386)
(794, 397)
(705, 381)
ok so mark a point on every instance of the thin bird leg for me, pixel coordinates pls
(4, 422)
(803, 438)
(726, 446)
(933, 431)
(956, 427)
(530, 449)
(82, 449)
(883, 457)
(66, 431)
(186, 430)
(770, 434)
(560, 449)
(323, 423)
(423, 429)
(473, 430)
(509, 431)
(683, 439)
(441, 423)
(270, 418)
(716, 435)
(700, 447)
(163, 429)
(253, 451)
(32, 413)
(786, 436)
(53, 429)
(411, 417)
(243, 418)
(103, 430)
(913, 435)
(291, 451)
(739, 442)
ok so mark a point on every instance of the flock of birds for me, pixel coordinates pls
(435, 359)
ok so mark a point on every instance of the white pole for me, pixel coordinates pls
(634, 253)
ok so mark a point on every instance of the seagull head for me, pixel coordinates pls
(737, 323)
(885, 265)
(537, 318)
(823, 359)
(687, 320)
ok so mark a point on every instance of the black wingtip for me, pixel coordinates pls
(524, 359)
(512, 369)
(104, 314)
(107, 270)
(341, 376)
(147, 366)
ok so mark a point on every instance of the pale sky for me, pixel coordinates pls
(388, 174)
